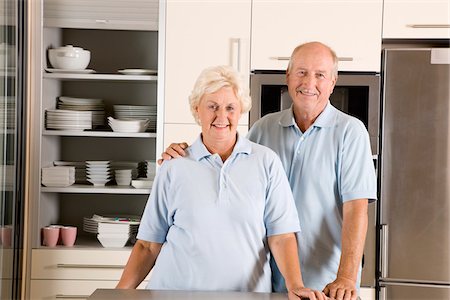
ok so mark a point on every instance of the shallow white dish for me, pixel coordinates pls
(142, 183)
(84, 71)
(138, 72)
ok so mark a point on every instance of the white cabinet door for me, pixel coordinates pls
(69, 289)
(351, 28)
(102, 14)
(201, 34)
(416, 19)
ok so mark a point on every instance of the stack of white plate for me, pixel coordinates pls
(58, 176)
(147, 169)
(98, 172)
(8, 112)
(68, 119)
(80, 169)
(96, 106)
(112, 231)
(137, 112)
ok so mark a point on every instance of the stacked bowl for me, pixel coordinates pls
(137, 112)
(128, 125)
(98, 172)
(123, 177)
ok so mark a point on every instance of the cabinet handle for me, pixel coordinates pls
(288, 58)
(236, 53)
(85, 266)
(384, 250)
(61, 296)
(430, 26)
(280, 58)
(345, 58)
(101, 21)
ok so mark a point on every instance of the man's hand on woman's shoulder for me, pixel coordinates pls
(174, 150)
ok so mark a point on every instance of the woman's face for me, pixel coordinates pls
(219, 114)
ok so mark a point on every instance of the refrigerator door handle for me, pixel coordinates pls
(384, 250)
(383, 293)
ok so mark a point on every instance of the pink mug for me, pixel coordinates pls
(68, 235)
(6, 236)
(50, 236)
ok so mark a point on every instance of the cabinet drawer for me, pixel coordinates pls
(102, 14)
(78, 264)
(428, 19)
(68, 289)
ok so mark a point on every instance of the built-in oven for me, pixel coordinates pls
(355, 94)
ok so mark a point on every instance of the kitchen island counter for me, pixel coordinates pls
(121, 294)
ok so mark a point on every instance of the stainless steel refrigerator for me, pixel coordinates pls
(415, 175)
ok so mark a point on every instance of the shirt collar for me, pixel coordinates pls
(198, 150)
(325, 119)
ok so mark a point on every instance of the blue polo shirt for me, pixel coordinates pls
(214, 217)
(327, 165)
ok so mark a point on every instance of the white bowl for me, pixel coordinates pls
(69, 58)
(115, 242)
(99, 176)
(142, 183)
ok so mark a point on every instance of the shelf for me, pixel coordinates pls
(99, 133)
(96, 76)
(86, 241)
(90, 189)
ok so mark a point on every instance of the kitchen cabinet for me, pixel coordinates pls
(200, 34)
(75, 274)
(351, 28)
(102, 14)
(416, 19)
(111, 50)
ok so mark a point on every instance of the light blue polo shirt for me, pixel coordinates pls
(327, 165)
(214, 218)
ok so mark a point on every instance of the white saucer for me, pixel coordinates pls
(138, 72)
(84, 71)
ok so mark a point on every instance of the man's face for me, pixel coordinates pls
(310, 79)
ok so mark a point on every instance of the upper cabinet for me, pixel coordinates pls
(416, 19)
(351, 28)
(200, 34)
(102, 14)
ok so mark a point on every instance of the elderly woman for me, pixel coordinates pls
(213, 216)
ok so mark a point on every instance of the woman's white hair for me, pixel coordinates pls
(213, 79)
